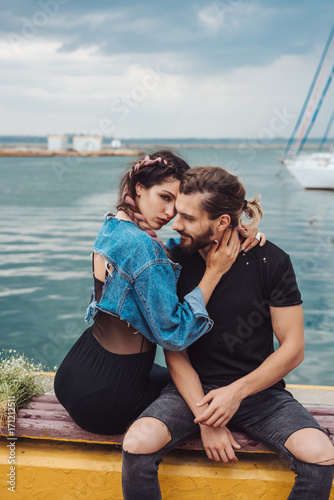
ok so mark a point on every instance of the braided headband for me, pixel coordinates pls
(145, 163)
(137, 217)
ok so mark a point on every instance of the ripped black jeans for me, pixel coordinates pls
(270, 416)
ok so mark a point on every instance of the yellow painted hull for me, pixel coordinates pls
(48, 470)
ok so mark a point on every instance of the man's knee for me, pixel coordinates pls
(146, 435)
(311, 445)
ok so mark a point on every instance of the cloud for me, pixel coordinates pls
(135, 102)
(216, 15)
(223, 33)
(223, 65)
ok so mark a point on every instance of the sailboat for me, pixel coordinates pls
(315, 170)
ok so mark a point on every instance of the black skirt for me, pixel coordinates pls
(105, 392)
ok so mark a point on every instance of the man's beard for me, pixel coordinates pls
(195, 243)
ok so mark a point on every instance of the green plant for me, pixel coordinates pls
(20, 380)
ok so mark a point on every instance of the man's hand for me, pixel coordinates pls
(219, 444)
(224, 404)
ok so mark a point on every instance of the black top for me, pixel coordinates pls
(242, 335)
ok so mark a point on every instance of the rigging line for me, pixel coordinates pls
(316, 112)
(324, 139)
(308, 114)
(310, 91)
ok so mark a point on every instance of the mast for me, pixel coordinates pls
(324, 139)
(287, 149)
(321, 100)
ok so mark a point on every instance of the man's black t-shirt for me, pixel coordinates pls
(242, 335)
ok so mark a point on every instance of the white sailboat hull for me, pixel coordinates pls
(313, 171)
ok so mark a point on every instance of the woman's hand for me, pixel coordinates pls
(219, 444)
(220, 258)
(252, 237)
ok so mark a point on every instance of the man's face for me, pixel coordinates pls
(197, 231)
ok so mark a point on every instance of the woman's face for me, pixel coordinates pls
(157, 204)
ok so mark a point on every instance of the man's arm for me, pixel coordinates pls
(288, 326)
(186, 379)
(218, 443)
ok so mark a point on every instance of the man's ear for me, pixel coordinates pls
(224, 222)
(139, 188)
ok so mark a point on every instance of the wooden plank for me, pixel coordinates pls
(318, 410)
(44, 415)
(46, 418)
(246, 443)
(61, 431)
(70, 431)
(44, 406)
(45, 398)
(50, 400)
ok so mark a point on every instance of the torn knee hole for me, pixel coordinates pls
(329, 461)
(146, 437)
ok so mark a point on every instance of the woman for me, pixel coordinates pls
(107, 379)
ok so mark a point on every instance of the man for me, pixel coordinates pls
(233, 367)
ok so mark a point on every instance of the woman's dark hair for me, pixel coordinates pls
(224, 194)
(149, 171)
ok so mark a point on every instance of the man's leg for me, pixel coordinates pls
(313, 463)
(166, 422)
(277, 419)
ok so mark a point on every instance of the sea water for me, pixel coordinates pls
(52, 209)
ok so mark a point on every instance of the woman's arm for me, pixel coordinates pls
(173, 325)
(219, 260)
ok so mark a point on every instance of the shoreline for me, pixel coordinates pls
(45, 153)
(137, 149)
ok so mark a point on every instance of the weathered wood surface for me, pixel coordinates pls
(46, 418)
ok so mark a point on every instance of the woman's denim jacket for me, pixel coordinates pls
(141, 287)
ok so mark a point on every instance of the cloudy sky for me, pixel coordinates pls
(150, 69)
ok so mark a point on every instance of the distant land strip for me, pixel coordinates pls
(48, 153)
(137, 149)
(242, 145)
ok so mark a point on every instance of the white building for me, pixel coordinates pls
(57, 142)
(87, 143)
(116, 144)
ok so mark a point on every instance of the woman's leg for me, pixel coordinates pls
(105, 392)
